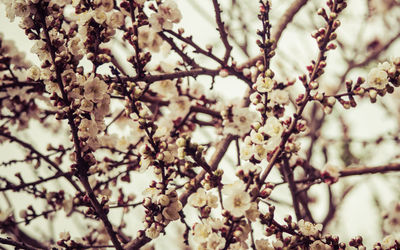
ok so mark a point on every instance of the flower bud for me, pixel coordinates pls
(181, 142)
(373, 93)
(331, 101)
(313, 85)
(163, 200)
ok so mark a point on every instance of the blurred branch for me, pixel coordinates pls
(10, 242)
(222, 31)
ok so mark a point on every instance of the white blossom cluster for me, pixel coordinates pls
(378, 77)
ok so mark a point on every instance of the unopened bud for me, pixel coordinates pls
(373, 93)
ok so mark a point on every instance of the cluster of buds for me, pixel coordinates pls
(55, 199)
(380, 80)
(266, 44)
(160, 210)
(204, 201)
(103, 201)
(28, 214)
(186, 147)
(248, 171)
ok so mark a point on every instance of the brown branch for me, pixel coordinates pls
(183, 55)
(174, 75)
(198, 49)
(148, 78)
(391, 167)
(215, 160)
(138, 64)
(370, 170)
(100, 212)
(333, 207)
(222, 31)
(373, 56)
(82, 164)
(10, 242)
(279, 28)
(21, 236)
(288, 174)
(14, 187)
(313, 76)
(42, 156)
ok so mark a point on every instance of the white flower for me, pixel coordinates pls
(149, 39)
(26, 23)
(10, 11)
(256, 137)
(215, 241)
(273, 127)
(212, 200)
(264, 85)
(198, 199)
(385, 66)
(86, 105)
(166, 67)
(87, 128)
(83, 18)
(319, 245)
(260, 152)
(109, 140)
(330, 173)
(99, 16)
(141, 2)
(377, 78)
(102, 109)
(238, 201)
(152, 232)
(166, 88)
(279, 96)
(309, 229)
(22, 9)
(123, 142)
(238, 246)
(75, 46)
(242, 118)
(34, 73)
(107, 5)
(95, 89)
(253, 213)
(277, 244)
(116, 20)
(68, 205)
(229, 189)
(68, 77)
(196, 89)
(263, 244)
(158, 22)
(246, 152)
(172, 211)
(151, 193)
(169, 10)
(65, 236)
(201, 232)
(4, 215)
(388, 242)
(179, 106)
